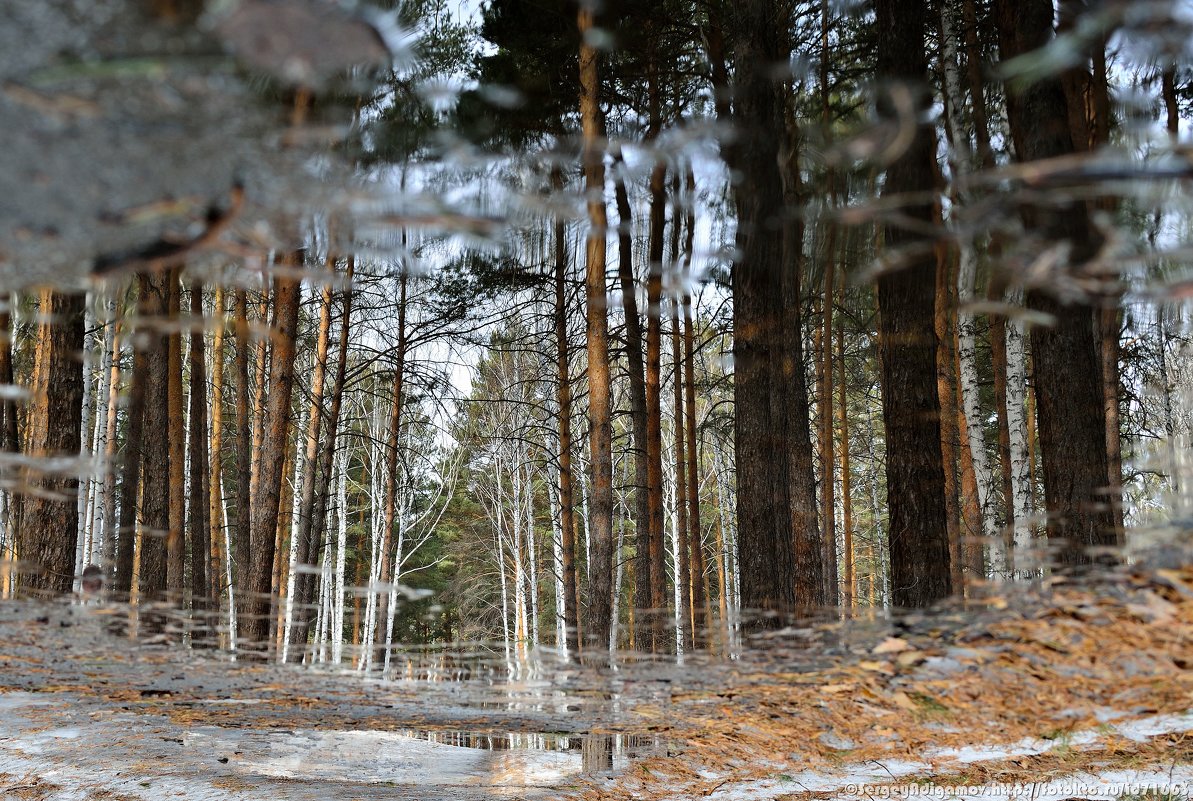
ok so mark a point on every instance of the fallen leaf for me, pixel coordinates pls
(891, 645)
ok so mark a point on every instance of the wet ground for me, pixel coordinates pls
(1087, 681)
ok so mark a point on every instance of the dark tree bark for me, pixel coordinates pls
(130, 465)
(781, 563)
(644, 607)
(155, 466)
(951, 417)
(48, 530)
(244, 454)
(601, 606)
(198, 508)
(176, 539)
(267, 505)
(9, 435)
(918, 531)
(10, 441)
(656, 549)
(1068, 374)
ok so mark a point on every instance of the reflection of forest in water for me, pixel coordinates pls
(495, 347)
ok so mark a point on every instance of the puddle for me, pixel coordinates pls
(428, 758)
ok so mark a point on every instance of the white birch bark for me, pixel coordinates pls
(966, 323)
(83, 549)
(104, 398)
(530, 552)
(619, 560)
(557, 565)
(883, 566)
(341, 485)
(1027, 561)
(296, 502)
(230, 592)
(108, 493)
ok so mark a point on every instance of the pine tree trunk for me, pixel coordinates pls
(779, 547)
(48, 531)
(656, 545)
(260, 420)
(918, 531)
(1068, 374)
(131, 456)
(600, 616)
(9, 436)
(700, 595)
(155, 489)
(175, 542)
(643, 598)
(244, 498)
(950, 415)
(266, 509)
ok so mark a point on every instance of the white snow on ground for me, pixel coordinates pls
(149, 757)
(83, 749)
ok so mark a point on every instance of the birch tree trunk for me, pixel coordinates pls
(215, 479)
(105, 508)
(1027, 561)
(337, 637)
(331, 437)
(305, 511)
(966, 321)
(86, 450)
(200, 488)
(391, 454)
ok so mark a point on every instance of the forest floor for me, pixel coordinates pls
(1084, 683)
